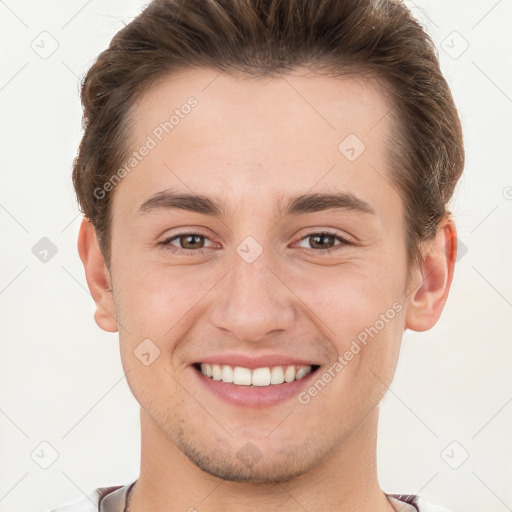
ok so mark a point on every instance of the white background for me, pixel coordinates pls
(61, 379)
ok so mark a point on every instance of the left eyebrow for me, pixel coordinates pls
(307, 203)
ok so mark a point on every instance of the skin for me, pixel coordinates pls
(252, 144)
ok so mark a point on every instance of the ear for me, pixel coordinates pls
(98, 277)
(431, 281)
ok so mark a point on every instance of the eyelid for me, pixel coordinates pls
(326, 231)
(184, 231)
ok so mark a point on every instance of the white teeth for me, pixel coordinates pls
(258, 377)
(277, 375)
(227, 373)
(261, 377)
(302, 372)
(216, 371)
(289, 374)
(242, 376)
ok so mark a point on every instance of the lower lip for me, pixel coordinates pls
(256, 397)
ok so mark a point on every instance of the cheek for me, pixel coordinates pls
(349, 298)
(342, 301)
(361, 312)
(155, 298)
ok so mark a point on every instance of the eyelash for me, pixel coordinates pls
(323, 252)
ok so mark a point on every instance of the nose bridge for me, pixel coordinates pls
(252, 301)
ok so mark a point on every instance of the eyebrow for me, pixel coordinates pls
(307, 203)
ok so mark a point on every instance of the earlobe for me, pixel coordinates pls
(98, 277)
(428, 297)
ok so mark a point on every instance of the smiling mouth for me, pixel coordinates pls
(255, 377)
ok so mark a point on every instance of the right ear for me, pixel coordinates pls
(98, 277)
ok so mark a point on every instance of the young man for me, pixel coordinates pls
(265, 188)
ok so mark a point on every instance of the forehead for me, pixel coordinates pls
(259, 137)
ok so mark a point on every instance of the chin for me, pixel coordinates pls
(249, 465)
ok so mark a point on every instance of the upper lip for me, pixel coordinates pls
(252, 362)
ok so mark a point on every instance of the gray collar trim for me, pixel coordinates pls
(115, 501)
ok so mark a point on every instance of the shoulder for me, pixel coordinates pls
(418, 502)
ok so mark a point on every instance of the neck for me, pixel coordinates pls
(345, 481)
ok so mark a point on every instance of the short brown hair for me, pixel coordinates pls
(374, 39)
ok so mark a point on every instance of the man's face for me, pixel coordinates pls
(259, 282)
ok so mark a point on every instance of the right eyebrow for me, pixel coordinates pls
(169, 200)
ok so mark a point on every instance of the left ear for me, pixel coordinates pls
(427, 299)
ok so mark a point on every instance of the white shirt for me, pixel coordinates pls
(113, 499)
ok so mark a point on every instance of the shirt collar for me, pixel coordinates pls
(115, 501)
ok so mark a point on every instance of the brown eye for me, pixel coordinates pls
(323, 243)
(321, 240)
(192, 241)
(186, 243)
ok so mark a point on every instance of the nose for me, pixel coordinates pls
(252, 301)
